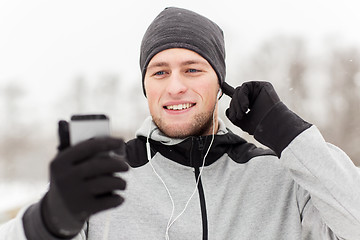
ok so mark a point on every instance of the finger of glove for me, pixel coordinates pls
(264, 90)
(253, 89)
(248, 123)
(266, 98)
(107, 201)
(271, 94)
(263, 99)
(239, 104)
(99, 166)
(64, 136)
(86, 149)
(105, 184)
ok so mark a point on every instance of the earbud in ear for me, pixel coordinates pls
(218, 94)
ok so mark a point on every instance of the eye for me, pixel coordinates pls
(159, 73)
(192, 70)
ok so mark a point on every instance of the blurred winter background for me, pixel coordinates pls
(63, 57)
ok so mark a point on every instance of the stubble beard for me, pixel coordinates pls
(201, 124)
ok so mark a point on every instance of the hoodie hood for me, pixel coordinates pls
(148, 128)
(191, 150)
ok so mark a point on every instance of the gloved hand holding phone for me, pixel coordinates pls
(82, 183)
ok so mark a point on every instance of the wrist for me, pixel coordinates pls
(57, 219)
(279, 127)
(34, 225)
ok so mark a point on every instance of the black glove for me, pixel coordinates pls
(82, 183)
(250, 103)
(64, 135)
(256, 108)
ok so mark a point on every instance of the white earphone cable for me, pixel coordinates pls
(148, 151)
(107, 226)
(198, 178)
(171, 222)
(162, 181)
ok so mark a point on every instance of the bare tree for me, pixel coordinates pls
(343, 127)
(106, 92)
(281, 60)
(14, 135)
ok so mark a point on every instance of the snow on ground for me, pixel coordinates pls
(14, 195)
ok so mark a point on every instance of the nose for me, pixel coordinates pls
(176, 84)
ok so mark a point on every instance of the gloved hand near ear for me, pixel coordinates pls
(82, 182)
(256, 108)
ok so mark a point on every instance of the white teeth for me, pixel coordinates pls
(179, 106)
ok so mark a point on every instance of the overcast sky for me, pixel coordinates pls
(44, 44)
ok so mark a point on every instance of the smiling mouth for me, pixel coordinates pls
(179, 107)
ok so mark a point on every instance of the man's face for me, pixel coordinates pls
(181, 88)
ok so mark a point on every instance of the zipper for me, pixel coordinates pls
(191, 152)
(200, 148)
(202, 205)
(201, 144)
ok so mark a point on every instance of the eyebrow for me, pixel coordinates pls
(157, 64)
(185, 63)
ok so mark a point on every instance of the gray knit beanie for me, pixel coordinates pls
(181, 28)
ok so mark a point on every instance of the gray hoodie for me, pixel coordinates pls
(244, 192)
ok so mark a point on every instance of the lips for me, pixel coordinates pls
(179, 107)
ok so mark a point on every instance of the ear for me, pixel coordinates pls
(219, 94)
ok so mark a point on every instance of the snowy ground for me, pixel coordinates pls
(15, 195)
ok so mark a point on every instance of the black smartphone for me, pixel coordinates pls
(83, 127)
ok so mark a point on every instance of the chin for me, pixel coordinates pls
(184, 130)
(175, 130)
(179, 133)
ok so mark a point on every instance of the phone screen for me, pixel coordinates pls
(83, 127)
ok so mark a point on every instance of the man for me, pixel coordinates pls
(187, 175)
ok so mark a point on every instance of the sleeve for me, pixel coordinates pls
(13, 229)
(331, 180)
(29, 220)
